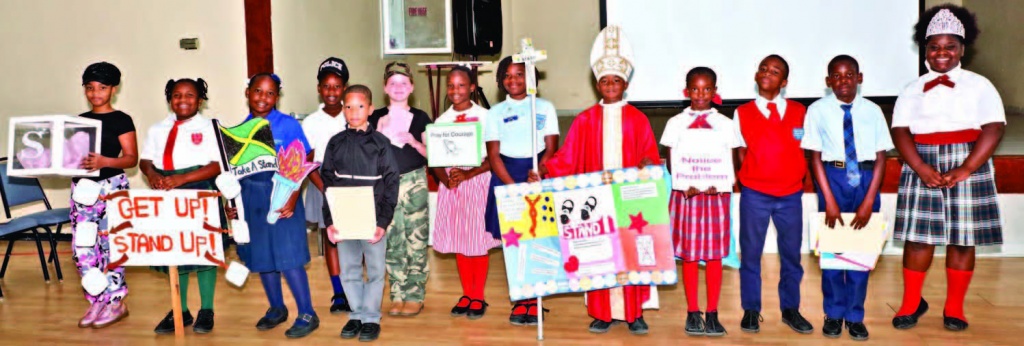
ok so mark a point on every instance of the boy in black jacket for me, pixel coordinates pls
(361, 156)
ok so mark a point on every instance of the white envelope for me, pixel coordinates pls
(845, 239)
(353, 210)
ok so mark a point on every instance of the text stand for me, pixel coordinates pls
(530, 57)
(179, 323)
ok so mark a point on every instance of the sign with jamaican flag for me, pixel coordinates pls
(249, 147)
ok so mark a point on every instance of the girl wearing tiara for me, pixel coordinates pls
(946, 125)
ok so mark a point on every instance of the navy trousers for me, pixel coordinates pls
(845, 290)
(756, 209)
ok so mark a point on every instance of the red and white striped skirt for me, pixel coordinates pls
(459, 223)
(700, 226)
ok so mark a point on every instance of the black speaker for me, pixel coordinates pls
(477, 26)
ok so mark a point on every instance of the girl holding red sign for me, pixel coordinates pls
(181, 152)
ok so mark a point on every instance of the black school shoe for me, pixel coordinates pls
(638, 327)
(531, 319)
(166, 326)
(599, 326)
(750, 320)
(797, 322)
(909, 321)
(204, 322)
(351, 329)
(298, 331)
(832, 328)
(339, 304)
(519, 319)
(475, 314)
(369, 332)
(953, 323)
(694, 324)
(858, 331)
(712, 327)
(458, 311)
(272, 318)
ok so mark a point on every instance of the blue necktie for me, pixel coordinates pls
(852, 168)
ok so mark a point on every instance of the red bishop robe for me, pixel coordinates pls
(582, 152)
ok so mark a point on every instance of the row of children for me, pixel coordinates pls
(945, 125)
(181, 152)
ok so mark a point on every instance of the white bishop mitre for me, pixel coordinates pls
(612, 54)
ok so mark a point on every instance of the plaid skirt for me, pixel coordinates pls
(700, 226)
(966, 214)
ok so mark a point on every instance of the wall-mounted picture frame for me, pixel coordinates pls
(416, 26)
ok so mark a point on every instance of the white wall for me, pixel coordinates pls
(48, 43)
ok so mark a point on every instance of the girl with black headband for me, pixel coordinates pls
(181, 152)
(118, 151)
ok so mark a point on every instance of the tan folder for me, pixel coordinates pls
(353, 211)
(843, 238)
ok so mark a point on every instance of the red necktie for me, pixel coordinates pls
(943, 80)
(169, 148)
(701, 122)
(773, 113)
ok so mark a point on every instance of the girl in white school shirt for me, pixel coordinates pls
(181, 152)
(946, 125)
(459, 226)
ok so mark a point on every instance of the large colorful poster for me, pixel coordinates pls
(586, 232)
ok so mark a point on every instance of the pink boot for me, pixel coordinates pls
(112, 313)
(91, 314)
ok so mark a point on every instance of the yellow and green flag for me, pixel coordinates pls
(248, 148)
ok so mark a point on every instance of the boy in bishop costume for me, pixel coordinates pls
(610, 135)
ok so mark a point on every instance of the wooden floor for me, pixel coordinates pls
(34, 312)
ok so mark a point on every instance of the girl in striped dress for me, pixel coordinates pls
(459, 224)
(700, 218)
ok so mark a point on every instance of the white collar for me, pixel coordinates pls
(953, 74)
(513, 101)
(620, 104)
(691, 112)
(778, 100)
(195, 119)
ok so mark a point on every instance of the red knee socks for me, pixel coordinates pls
(473, 274)
(690, 277)
(912, 282)
(713, 278)
(483, 263)
(957, 282)
(466, 273)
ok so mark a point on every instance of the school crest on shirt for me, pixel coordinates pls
(197, 138)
